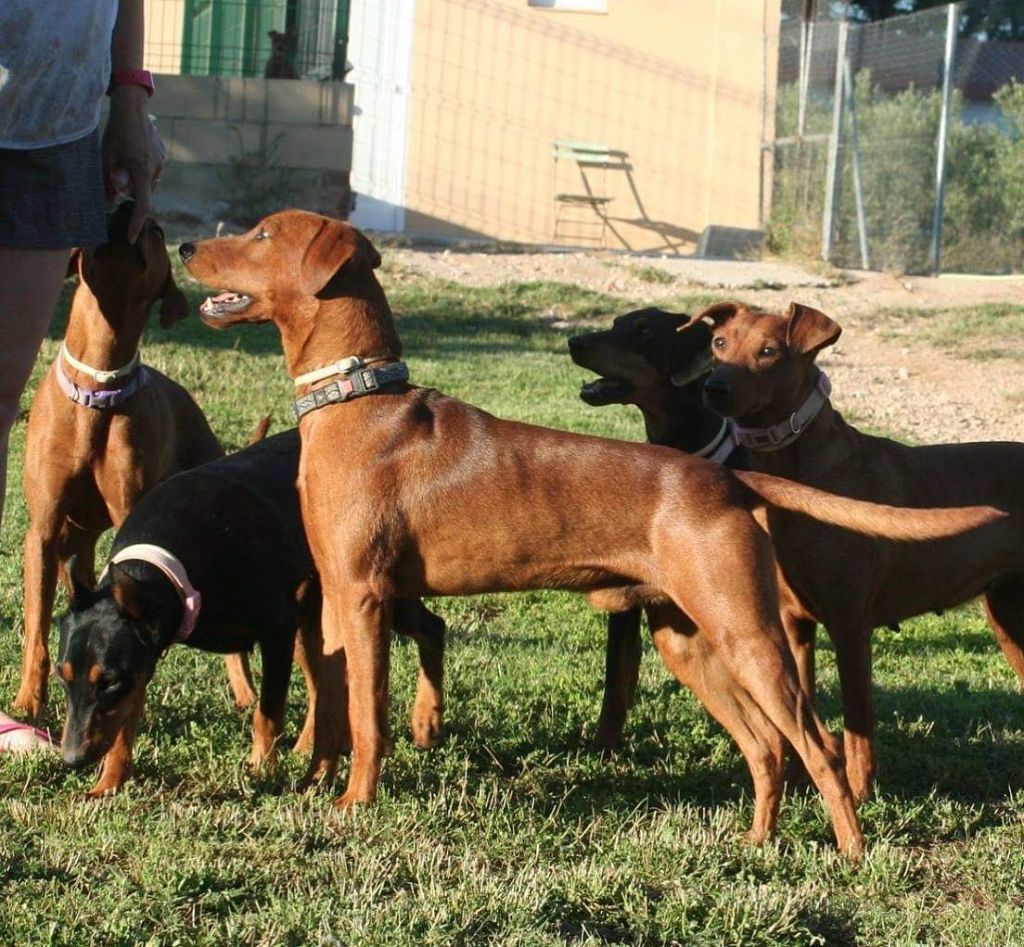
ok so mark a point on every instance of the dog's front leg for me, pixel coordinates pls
(364, 620)
(41, 546)
(268, 721)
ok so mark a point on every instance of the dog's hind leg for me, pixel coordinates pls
(413, 619)
(308, 645)
(697, 665)
(621, 673)
(744, 628)
(1004, 607)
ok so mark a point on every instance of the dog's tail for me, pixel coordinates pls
(259, 431)
(907, 524)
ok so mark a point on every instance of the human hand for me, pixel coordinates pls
(133, 152)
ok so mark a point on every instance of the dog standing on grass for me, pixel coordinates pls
(406, 492)
(103, 429)
(765, 379)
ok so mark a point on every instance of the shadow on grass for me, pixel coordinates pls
(436, 318)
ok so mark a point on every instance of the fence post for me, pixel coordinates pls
(940, 156)
(832, 175)
(858, 187)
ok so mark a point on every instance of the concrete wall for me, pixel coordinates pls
(687, 89)
(239, 148)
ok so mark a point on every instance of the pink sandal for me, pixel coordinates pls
(22, 737)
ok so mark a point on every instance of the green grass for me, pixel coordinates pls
(511, 833)
(985, 332)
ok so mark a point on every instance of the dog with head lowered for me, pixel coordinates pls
(214, 558)
(407, 492)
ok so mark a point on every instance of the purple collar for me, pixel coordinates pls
(785, 432)
(104, 399)
(170, 566)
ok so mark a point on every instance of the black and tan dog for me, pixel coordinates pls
(644, 360)
(230, 531)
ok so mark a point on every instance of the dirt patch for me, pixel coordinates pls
(906, 387)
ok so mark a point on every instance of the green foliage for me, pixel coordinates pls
(511, 833)
(983, 227)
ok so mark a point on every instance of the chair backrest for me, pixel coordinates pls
(588, 153)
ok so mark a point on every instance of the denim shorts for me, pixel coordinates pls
(53, 198)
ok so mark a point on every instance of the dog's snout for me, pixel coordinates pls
(186, 251)
(577, 343)
(716, 392)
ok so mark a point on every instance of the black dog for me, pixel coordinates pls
(281, 65)
(234, 526)
(645, 361)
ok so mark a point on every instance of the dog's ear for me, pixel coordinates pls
(127, 594)
(808, 330)
(691, 356)
(336, 245)
(73, 261)
(82, 595)
(714, 316)
(173, 304)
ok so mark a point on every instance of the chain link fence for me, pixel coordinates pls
(900, 144)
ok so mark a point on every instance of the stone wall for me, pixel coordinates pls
(240, 148)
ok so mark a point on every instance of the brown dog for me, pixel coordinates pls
(408, 492)
(766, 380)
(101, 434)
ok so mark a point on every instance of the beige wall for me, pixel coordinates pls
(679, 86)
(165, 26)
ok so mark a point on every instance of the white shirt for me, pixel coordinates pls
(54, 69)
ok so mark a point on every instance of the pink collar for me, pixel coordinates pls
(785, 432)
(171, 567)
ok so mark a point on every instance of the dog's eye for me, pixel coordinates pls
(109, 685)
(767, 351)
(262, 235)
(718, 342)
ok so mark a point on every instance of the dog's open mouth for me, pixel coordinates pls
(224, 304)
(606, 391)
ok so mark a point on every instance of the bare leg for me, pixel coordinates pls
(29, 292)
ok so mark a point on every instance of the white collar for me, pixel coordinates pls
(103, 376)
(720, 446)
(343, 366)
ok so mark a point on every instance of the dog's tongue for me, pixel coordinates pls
(225, 297)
